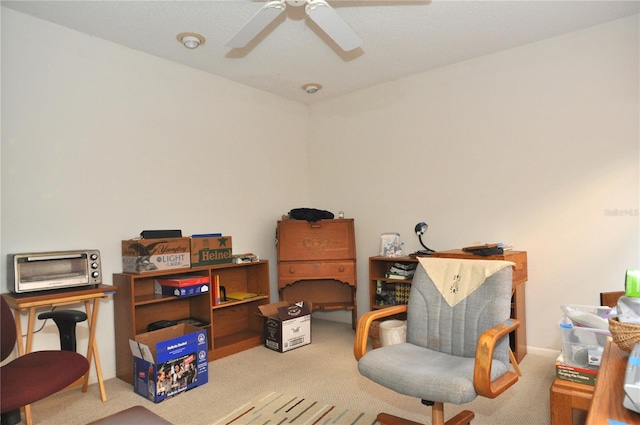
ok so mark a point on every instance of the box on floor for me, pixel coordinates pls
(169, 361)
(287, 326)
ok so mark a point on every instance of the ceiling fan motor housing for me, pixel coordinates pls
(318, 11)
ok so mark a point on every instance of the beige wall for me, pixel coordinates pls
(531, 146)
(536, 146)
(100, 142)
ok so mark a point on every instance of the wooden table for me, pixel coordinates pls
(606, 406)
(29, 303)
(564, 397)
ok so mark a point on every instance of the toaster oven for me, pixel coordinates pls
(42, 271)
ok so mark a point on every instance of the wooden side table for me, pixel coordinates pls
(31, 302)
(566, 396)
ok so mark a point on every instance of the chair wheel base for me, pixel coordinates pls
(387, 419)
(462, 418)
(11, 418)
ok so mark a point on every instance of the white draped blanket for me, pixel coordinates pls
(456, 278)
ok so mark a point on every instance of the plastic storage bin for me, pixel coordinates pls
(582, 346)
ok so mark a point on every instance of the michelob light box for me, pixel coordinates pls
(148, 255)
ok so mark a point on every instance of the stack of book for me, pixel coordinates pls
(401, 271)
(579, 374)
(401, 293)
(241, 296)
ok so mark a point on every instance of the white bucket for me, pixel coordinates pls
(393, 332)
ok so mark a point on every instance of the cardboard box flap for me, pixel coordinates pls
(141, 351)
(271, 310)
(145, 343)
(294, 310)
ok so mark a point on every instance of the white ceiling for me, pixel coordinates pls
(401, 37)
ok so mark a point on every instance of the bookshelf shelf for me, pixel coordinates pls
(225, 304)
(239, 341)
(379, 284)
(231, 326)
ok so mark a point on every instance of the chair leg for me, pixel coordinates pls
(514, 362)
(28, 418)
(437, 413)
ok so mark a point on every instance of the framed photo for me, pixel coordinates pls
(390, 245)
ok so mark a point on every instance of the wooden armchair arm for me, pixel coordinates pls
(362, 330)
(484, 355)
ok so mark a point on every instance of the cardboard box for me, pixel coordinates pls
(207, 251)
(182, 286)
(169, 361)
(580, 375)
(182, 291)
(287, 326)
(147, 255)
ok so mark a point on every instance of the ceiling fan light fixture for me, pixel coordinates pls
(311, 87)
(190, 40)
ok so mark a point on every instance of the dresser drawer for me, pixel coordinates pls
(299, 240)
(340, 270)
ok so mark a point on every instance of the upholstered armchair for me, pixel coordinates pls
(452, 353)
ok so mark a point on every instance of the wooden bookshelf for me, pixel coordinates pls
(231, 326)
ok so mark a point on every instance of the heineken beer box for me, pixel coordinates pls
(148, 255)
(207, 250)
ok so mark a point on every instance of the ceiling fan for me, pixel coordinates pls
(318, 10)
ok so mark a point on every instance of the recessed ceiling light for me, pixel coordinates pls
(191, 40)
(311, 87)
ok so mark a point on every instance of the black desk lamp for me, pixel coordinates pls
(420, 229)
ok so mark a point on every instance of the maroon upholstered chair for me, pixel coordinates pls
(33, 376)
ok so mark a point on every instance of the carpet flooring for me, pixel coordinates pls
(275, 408)
(324, 370)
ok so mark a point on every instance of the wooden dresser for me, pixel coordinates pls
(317, 263)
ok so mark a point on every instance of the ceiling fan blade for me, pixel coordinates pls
(332, 24)
(257, 23)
